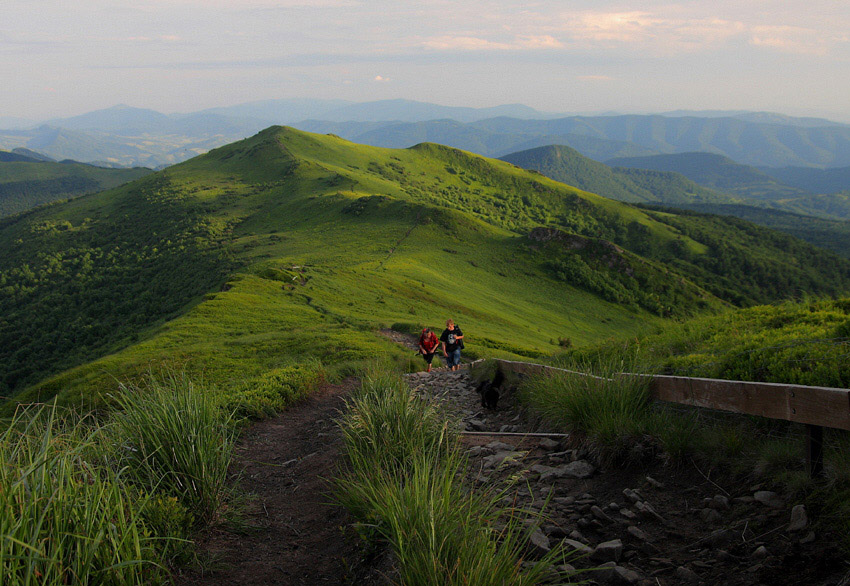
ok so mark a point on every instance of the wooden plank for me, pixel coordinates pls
(821, 406)
(824, 406)
(515, 433)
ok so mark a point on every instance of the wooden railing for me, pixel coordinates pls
(815, 407)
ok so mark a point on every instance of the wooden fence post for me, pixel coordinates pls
(814, 450)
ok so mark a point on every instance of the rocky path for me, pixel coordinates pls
(647, 524)
(294, 534)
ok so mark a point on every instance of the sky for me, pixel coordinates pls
(62, 57)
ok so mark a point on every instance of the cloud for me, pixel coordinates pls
(470, 43)
(380, 78)
(658, 34)
(791, 39)
(595, 78)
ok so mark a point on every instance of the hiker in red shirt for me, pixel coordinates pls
(428, 343)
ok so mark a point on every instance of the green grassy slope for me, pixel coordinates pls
(24, 185)
(801, 217)
(290, 246)
(830, 234)
(567, 165)
(715, 172)
(798, 343)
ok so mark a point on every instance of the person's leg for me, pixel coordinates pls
(456, 359)
(428, 359)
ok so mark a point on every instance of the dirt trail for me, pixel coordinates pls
(296, 536)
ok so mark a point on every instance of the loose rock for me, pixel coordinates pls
(573, 545)
(686, 574)
(548, 444)
(799, 519)
(638, 533)
(626, 576)
(539, 541)
(769, 499)
(609, 550)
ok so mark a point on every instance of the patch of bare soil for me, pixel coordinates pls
(649, 523)
(295, 534)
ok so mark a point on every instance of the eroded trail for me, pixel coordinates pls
(296, 535)
(649, 523)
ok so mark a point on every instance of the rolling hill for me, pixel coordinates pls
(289, 247)
(568, 166)
(26, 182)
(805, 192)
(811, 179)
(716, 172)
(819, 220)
(467, 137)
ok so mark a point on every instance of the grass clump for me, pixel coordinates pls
(404, 484)
(606, 407)
(65, 516)
(176, 441)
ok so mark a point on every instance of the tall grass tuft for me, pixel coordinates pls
(176, 441)
(404, 483)
(608, 408)
(64, 517)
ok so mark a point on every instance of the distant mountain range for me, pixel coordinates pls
(127, 136)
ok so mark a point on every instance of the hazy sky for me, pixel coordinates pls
(63, 57)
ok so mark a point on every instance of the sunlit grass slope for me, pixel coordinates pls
(289, 246)
(800, 343)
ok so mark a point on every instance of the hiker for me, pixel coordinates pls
(428, 343)
(452, 342)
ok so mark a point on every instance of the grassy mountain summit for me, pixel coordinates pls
(290, 246)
